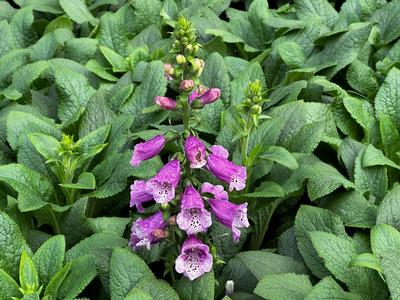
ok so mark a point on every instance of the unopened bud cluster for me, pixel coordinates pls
(254, 99)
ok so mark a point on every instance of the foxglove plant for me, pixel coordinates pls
(182, 202)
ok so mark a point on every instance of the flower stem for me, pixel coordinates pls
(186, 109)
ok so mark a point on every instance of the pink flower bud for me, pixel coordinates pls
(165, 102)
(186, 85)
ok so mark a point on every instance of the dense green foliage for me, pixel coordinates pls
(77, 83)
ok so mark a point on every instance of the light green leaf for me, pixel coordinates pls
(283, 286)
(28, 276)
(280, 155)
(384, 238)
(49, 258)
(109, 224)
(367, 260)
(328, 289)
(291, 53)
(388, 22)
(21, 27)
(390, 262)
(77, 11)
(375, 157)
(86, 181)
(389, 209)
(362, 78)
(118, 63)
(136, 294)
(310, 8)
(56, 281)
(45, 144)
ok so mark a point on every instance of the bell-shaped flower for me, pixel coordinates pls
(139, 195)
(165, 102)
(145, 232)
(231, 215)
(195, 152)
(162, 186)
(147, 149)
(194, 259)
(227, 171)
(217, 191)
(193, 218)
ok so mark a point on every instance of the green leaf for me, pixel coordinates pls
(200, 288)
(328, 289)
(390, 137)
(34, 191)
(92, 244)
(109, 224)
(337, 253)
(261, 263)
(342, 49)
(375, 157)
(28, 276)
(308, 220)
(57, 280)
(11, 62)
(46, 145)
(112, 34)
(362, 78)
(50, 6)
(280, 155)
(8, 286)
(283, 286)
(74, 91)
(49, 258)
(21, 27)
(310, 8)
(126, 269)
(391, 268)
(291, 53)
(119, 96)
(353, 208)
(367, 260)
(389, 209)
(154, 84)
(95, 67)
(60, 22)
(80, 50)
(136, 294)
(384, 238)
(268, 189)
(77, 11)
(387, 20)
(158, 289)
(118, 63)
(7, 40)
(386, 101)
(146, 13)
(81, 273)
(86, 181)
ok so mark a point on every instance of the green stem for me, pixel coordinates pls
(186, 109)
(56, 226)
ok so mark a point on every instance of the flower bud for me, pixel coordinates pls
(165, 102)
(210, 96)
(180, 59)
(198, 66)
(159, 233)
(229, 287)
(256, 109)
(257, 100)
(186, 85)
(189, 49)
(172, 220)
(168, 71)
(184, 41)
(195, 49)
(247, 102)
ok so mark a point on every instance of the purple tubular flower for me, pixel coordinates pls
(162, 186)
(216, 190)
(227, 171)
(230, 215)
(210, 96)
(143, 231)
(195, 259)
(139, 195)
(195, 152)
(220, 151)
(147, 149)
(165, 102)
(193, 218)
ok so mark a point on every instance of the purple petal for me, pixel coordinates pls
(147, 149)
(139, 195)
(216, 190)
(195, 152)
(220, 151)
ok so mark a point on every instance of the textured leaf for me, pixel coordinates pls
(322, 8)
(49, 258)
(126, 270)
(12, 244)
(387, 100)
(34, 191)
(28, 276)
(109, 224)
(8, 286)
(308, 220)
(328, 289)
(281, 156)
(77, 10)
(56, 281)
(362, 78)
(391, 269)
(283, 286)
(21, 28)
(388, 22)
(74, 91)
(384, 238)
(200, 288)
(389, 209)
